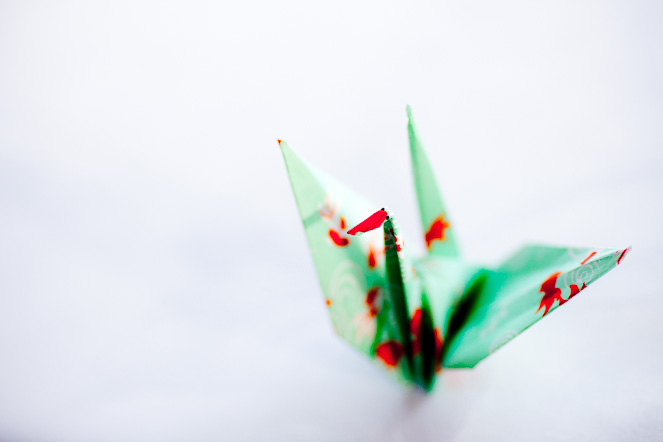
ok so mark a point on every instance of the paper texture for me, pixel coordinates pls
(415, 316)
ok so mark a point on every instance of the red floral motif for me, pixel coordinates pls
(328, 212)
(436, 230)
(551, 293)
(328, 302)
(388, 236)
(390, 352)
(336, 238)
(372, 262)
(587, 259)
(415, 329)
(621, 256)
(574, 291)
(372, 301)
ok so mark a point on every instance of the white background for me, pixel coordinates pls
(155, 282)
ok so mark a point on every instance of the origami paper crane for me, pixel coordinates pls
(414, 317)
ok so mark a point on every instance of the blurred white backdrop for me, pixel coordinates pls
(155, 282)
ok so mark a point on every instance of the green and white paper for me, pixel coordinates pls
(415, 316)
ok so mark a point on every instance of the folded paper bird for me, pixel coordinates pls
(414, 317)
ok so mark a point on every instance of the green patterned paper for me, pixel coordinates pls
(415, 316)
